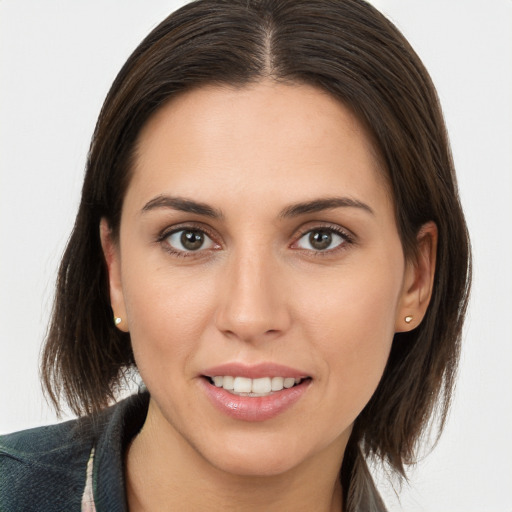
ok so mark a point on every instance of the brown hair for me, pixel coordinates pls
(348, 49)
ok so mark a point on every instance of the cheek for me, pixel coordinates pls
(167, 314)
(352, 322)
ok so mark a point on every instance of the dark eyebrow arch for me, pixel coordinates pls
(182, 205)
(318, 205)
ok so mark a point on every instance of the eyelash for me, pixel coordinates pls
(347, 238)
(162, 240)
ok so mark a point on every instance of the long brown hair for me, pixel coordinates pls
(344, 47)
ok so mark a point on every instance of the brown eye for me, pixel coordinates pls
(192, 240)
(320, 240)
(189, 240)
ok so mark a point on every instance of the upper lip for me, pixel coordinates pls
(254, 371)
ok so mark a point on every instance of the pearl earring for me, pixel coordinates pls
(408, 319)
(117, 320)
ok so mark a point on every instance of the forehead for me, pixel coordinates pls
(272, 139)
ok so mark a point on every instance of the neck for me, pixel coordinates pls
(163, 472)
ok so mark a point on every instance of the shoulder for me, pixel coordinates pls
(40, 442)
(43, 463)
(45, 468)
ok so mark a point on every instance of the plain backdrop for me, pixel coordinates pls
(57, 61)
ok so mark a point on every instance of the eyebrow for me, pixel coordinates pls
(183, 205)
(318, 205)
(294, 210)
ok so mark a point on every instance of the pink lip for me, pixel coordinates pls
(248, 408)
(256, 371)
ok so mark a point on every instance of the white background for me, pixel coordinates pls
(57, 61)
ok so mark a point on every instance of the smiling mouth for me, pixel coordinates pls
(264, 386)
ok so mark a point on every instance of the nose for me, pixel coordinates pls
(253, 300)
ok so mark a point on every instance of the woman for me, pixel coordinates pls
(270, 214)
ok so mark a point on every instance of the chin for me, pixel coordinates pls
(257, 464)
(258, 456)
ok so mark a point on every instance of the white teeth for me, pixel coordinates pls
(242, 385)
(289, 382)
(229, 382)
(255, 387)
(277, 383)
(262, 385)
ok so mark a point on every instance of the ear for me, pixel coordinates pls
(418, 280)
(113, 260)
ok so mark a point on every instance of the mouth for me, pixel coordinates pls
(254, 392)
(259, 387)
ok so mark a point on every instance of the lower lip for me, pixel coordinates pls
(256, 408)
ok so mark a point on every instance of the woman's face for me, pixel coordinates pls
(258, 245)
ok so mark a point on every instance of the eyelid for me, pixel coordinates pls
(329, 226)
(348, 237)
(165, 233)
(183, 226)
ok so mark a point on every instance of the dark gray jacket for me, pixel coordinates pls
(45, 469)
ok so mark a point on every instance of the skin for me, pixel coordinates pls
(258, 292)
